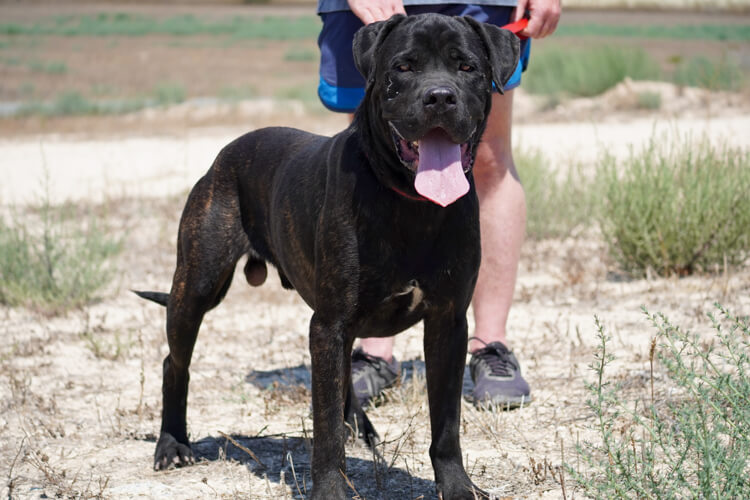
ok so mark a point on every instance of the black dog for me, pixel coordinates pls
(377, 228)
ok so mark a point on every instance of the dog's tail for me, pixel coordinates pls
(160, 298)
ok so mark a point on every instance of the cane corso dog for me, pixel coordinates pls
(376, 228)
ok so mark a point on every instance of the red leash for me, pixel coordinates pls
(517, 27)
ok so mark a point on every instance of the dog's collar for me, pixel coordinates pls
(407, 195)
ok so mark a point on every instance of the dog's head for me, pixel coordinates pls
(429, 86)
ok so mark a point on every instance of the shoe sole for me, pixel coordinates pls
(501, 403)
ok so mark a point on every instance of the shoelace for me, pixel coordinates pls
(497, 357)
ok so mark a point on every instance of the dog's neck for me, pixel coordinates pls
(379, 151)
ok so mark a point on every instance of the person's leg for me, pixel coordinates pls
(380, 347)
(374, 368)
(502, 214)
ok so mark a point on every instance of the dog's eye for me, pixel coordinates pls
(403, 68)
(466, 67)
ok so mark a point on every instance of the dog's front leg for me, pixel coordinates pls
(445, 342)
(329, 350)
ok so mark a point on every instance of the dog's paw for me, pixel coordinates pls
(171, 453)
(461, 490)
(329, 487)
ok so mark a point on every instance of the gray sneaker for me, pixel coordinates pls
(372, 374)
(497, 377)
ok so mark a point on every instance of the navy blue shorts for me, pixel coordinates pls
(341, 86)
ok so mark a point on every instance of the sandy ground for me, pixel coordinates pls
(79, 393)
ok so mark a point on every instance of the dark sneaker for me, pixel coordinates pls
(497, 377)
(371, 374)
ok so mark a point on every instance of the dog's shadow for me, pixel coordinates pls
(288, 378)
(283, 459)
(286, 460)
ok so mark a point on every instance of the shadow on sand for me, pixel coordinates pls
(288, 378)
(286, 460)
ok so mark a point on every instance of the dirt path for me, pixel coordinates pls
(158, 164)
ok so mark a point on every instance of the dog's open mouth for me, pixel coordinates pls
(408, 151)
(439, 164)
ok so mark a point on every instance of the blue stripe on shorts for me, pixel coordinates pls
(341, 86)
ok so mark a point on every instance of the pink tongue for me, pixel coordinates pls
(440, 175)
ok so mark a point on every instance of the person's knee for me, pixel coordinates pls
(494, 160)
(493, 164)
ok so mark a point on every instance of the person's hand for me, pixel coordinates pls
(543, 17)
(369, 11)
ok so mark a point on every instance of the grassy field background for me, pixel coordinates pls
(117, 58)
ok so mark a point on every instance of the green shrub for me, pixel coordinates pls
(65, 104)
(648, 100)
(50, 67)
(685, 436)
(234, 94)
(72, 103)
(676, 207)
(54, 260)
(711, 74)
(555, 205)
(586, 72)
(167, 94)
(306, 93)
(12, 61)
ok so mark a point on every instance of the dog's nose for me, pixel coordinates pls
(439, 98)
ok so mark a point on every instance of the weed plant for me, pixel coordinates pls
(167, 94)
(676, 207)
(306, 93)
(555, 206)
(52, 260)
(587, 72)
(688, 437)
(71, 103)
(648, 100)
(721, 74)
(50, 67)
(235, 94)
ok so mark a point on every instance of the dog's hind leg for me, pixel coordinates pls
(210, 243)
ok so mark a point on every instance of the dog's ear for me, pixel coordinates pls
(367, 41)
(503, 49)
